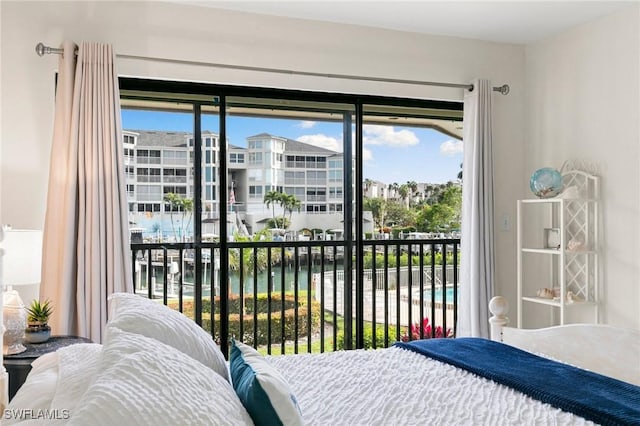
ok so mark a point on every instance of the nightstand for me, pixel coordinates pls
(19, 365)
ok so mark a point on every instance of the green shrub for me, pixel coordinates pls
(262, 304)
(368, 337)
(392, 259)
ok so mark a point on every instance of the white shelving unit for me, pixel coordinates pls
(571, 264)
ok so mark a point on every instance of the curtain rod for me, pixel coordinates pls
(42, 50)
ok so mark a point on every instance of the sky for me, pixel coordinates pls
(391, 153)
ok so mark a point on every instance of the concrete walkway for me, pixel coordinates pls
(392, 306)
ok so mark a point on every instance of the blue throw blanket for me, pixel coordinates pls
(593, 396)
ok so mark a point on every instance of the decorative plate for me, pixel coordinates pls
(546, 182)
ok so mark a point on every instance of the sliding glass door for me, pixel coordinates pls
(294, 221)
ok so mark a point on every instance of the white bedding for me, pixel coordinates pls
(383, 387)
(399, 387)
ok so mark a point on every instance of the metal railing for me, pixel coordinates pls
(295, 296)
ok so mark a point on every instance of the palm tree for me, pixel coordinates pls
(290, 203)
(270, 199)
(248, 258)
(403, 191)
(173, 201)
(187, 210)
(393, 187)
(413, 185)
(179, 204)
(377, 207)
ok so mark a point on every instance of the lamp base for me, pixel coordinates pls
(14, 317)
(13, 349)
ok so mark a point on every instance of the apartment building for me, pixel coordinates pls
(160, 162)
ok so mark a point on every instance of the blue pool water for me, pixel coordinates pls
(449, 294)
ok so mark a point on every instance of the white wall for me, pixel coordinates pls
(190, 33)
(583, 102)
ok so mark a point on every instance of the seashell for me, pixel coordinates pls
(545, 293)
(574, 245)
(571, 297)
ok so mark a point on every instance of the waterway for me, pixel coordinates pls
(261, 283)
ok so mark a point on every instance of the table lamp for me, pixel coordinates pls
(21, 264)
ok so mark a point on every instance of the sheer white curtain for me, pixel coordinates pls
(86, 255)
(477, 257)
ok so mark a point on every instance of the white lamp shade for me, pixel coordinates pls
(21, 262)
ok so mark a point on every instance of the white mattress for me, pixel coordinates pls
(382, 387)
(395, 386)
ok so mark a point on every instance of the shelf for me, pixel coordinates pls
(556, 251)
(560, 222)
(542, 301)
(555, 200)
(551, 302)
(541, 250)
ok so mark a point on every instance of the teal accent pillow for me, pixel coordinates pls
(262, 389)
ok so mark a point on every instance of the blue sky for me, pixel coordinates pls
(391, 153)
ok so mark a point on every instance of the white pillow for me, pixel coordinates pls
(140, 315)
(144, 381)
(55, 383)
(38, 390)
(264, 392)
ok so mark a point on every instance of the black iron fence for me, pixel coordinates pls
(307, 296)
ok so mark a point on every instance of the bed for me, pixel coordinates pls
(156, 367)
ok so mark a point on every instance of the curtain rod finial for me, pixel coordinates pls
(41, 49)
(504, 89)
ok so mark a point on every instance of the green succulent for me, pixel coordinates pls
(39, 312)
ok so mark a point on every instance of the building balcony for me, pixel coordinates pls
(305, 296)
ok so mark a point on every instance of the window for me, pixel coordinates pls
(255, 175)
(335, 208)
(255, 192)
(316, 208)
(335, 175)
(335, 164)
(148, 207)
(149, 193)
(178, 190)
(174, 157)
(236, 158)
(284, 155)
(255, 158)
(299, 192)
(316, 178)
(316, 194)
(148, 174)
(294, 178)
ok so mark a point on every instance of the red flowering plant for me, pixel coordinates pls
(427, 331)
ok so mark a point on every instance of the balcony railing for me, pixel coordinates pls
(306, 296)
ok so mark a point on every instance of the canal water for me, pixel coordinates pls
(261, 283)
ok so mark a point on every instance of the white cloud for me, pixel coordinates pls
(323, 141)
(306, 124)
(367, 155)
(451, 147)
(387, 135)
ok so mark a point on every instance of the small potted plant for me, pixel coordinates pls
(38, 331)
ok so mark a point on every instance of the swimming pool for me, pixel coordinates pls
(449, 295)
